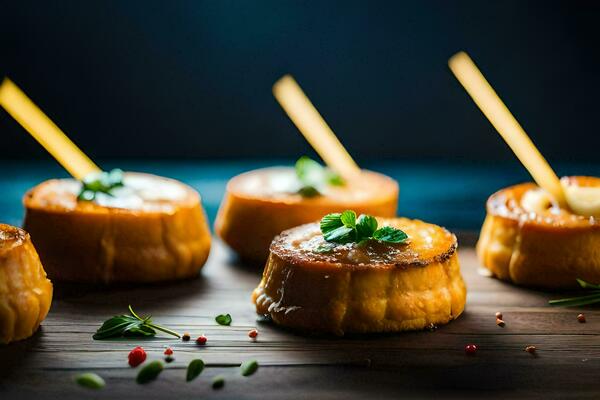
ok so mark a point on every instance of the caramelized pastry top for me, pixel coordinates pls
(426, 243)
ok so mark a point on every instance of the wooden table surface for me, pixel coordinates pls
(407, 365)
(418, 364)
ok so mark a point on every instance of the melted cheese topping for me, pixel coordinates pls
(140, 192)
(538, 201)
(282, 183)
(582, 200)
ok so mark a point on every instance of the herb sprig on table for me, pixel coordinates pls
(314, 177)
(130, 325)
(347, 228)
(592, 298)
(102, 182)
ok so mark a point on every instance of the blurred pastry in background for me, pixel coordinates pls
(260, 204)
(118, 227)
(530, 239)
(25, 291)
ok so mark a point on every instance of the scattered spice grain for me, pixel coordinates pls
(201, 340)
(471, 349)
(530, 349)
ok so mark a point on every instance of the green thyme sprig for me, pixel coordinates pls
(346, 228)
(314, 177)
(592, 298)
(102, 182)
(130, 325)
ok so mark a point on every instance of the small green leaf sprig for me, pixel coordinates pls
(102, 182)
(314, 177)
(90, 380)
(249, 367)
(347, 228)
(195, 368)
(592, 298)
(149, 372)
(130, 325)
(223, 319)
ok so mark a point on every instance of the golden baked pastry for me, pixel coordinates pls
(151, 229)
(529, 240)
(359, 288)
(25, 292)
(260, 204)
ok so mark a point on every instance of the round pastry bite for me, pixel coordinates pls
(528, 239)
(365, 285)
(130, 227)
(260, 204)
(25, 292)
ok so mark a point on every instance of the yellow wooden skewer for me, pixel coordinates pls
(314, 128)
(17, 104)
(505, 123)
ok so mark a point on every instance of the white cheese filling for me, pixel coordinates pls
(582, 200)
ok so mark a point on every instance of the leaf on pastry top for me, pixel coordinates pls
(314, 177)
(101, 182)
(346, 228)
(390, 235)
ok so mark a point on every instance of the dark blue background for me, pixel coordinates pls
(192, 79)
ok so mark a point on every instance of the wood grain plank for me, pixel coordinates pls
(421, 364)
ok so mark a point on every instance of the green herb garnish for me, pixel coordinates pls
(90, 380)
(592, 298)
(218, 382)
(150, 372)
(129, 325)
(102, 182)
(223, 319)
(248, 367)
(346, 228)
(314, 177)
(194, 369)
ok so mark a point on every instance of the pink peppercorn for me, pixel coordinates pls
(471, 349)
(201, 340)
(136, 356)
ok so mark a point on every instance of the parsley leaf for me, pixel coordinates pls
(331, 222)
(102, 182)
(390, 235)
(366, 225)
(339, 228)
(348, 218)
(314, 177)
(346, 228)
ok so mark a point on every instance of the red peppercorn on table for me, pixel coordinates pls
(421, 364)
